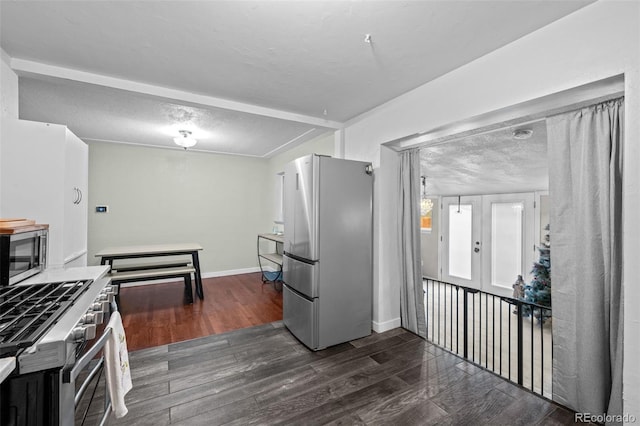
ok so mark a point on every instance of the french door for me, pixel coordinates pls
(461, 240)
(508, 237)
(487, 241)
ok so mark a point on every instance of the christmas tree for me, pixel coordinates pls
(539, 290)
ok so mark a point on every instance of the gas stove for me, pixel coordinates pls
(27, 312)
(43, 324)
(47, 323)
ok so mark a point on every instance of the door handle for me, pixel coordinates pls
(80, 193)
(75, 200)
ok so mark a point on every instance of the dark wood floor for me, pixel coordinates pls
(262, 375)
(156, 315)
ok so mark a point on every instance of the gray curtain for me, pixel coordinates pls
(585, 186)
(411, 293)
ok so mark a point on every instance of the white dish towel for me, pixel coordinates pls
(116, 359)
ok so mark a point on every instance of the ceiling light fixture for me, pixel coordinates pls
(522, 134)
(426, 204)
(185, 139)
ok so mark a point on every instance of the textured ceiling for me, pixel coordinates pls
(104, 114)
(490, 163)
(300, 57)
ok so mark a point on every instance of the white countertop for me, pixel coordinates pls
(6, 367)
(68, 274)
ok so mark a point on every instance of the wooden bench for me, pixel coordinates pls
(128, 274)
(150, 265)
(163, 270)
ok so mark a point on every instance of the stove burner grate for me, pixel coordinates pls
(28, 311)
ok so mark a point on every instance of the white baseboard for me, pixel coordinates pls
(230, 272)
(380, 327)
(204, 275)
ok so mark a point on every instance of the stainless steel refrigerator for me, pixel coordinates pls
(327, 265)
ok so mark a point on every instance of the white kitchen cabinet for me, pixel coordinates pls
(44, 176)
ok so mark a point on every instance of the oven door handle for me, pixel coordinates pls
(87, 382)
(70, 374)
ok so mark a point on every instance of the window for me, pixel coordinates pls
(279, 198)
(426, 210)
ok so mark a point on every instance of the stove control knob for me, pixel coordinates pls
(100, 306)
(105, 297)
(89, 318)
(90, 331)
(84, 332)
(92, 317)
(99, 317)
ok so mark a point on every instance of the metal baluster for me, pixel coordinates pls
(425, 290)
(532, 363)
(551, 357)
(445, 317)
(486, 329)
(432, 311)
(439, 305)
(457, 320)
(451, 314)
(473, 327)
(479, 327)
(520, 345)
(465, 324)
(541, 359)
(500, 326)
(493, 333)
(509, 341)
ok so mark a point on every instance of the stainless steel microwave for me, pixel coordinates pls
(22, 254)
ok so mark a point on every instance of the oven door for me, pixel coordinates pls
(84, 398)
(22, 255)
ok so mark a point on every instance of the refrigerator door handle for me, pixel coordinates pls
(297, 185)
(299, 259)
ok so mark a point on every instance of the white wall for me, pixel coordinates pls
(163, 195)
(8, 88)
(168, 196)
(598, 41)
(323, 145)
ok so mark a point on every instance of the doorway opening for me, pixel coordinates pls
(486, 192)
(455, 311)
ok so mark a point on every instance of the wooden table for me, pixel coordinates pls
(110, 254)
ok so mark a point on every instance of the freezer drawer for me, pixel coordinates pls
(300, 276)
(300, 316)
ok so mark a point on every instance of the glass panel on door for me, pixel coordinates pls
(460, 240)
(508, 236)
(506, 243)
